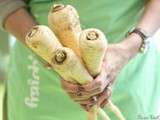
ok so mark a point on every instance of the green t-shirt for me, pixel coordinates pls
(34, 93)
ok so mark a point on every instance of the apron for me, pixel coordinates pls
(35, 93)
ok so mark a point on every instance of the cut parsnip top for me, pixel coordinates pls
(93, 45)
(42, 41)
(69, 66)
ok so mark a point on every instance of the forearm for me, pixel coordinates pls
(19, 23)
(149, 22)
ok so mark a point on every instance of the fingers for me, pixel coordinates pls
(78, 92)
(105, 101)
(101, 100)
(104, 96)
(99, 88)
(69, 87)
(74, 88)
(91, 101)
(98, 82)
(83, 95)
(96, 87)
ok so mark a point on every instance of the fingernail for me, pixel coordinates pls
(48, 66)
(108, 76)
(88, 107)
(81, 88)
(79, 94)
(94, 100)
(104, 103)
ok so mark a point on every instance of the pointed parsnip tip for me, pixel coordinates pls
(59, 56)
(57, 7)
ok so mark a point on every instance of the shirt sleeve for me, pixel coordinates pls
(7, 7)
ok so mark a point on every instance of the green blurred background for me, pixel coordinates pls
(4, 50)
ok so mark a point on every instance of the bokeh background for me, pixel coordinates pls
(4, 58)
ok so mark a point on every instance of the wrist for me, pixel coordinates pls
(132, 44)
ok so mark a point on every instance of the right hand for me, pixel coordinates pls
(96, 92)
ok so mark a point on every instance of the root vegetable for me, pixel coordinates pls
(115, 110)
(93, 44)
(64, 21)
(42, 41)
(103, 115)
(69, 66)
(45, 44)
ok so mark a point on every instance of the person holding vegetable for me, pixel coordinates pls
(34, 92)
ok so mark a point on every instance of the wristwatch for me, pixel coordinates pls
(144, 36)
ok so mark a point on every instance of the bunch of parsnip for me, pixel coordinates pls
(75, 54)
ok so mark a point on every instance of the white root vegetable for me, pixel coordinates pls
(45, 44)
(115, 110)
(65, 23)
(103, 115)
(69, 66)
(93, 44)
(42, 41)
(93, 113)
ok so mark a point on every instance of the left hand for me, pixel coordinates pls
(116, 57)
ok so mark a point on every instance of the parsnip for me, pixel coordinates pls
(69, 66)
(93, 44)
(45, 44)
(115, 110)
(42, 41)
(93, 113)
(103, 115)
(64, 21)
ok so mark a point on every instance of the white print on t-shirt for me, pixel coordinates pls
(33, 83)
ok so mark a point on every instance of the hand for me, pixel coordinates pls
(99, 90)
(96, 92)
